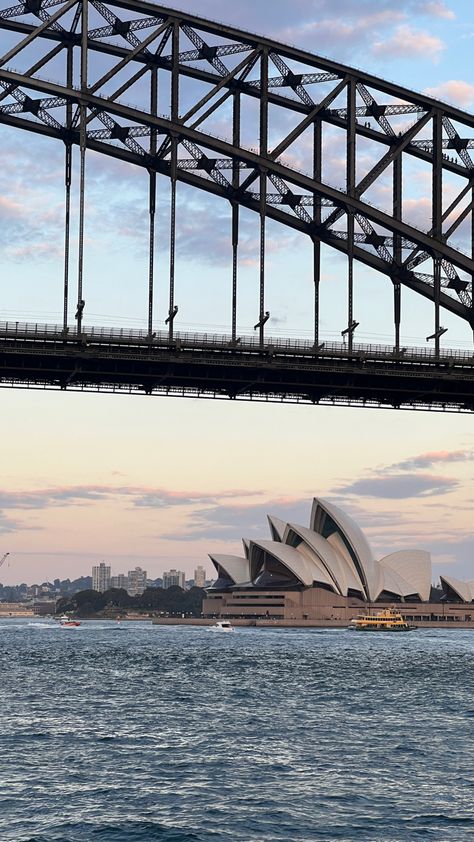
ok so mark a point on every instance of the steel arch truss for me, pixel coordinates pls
(275, 107)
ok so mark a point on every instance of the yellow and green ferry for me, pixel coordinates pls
(387, 620)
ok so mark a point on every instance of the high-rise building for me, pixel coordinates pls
(119, 581)
(136, 581)
(101, 577)
(173, 578)
(199, 577)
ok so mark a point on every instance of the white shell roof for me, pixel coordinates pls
(352, 576)
(395, 584)
(357, 540)
(306, 570)
(412, 566)
(342, 574)
(392, 583)
(463, 589)
(277, 527)
(237, 568)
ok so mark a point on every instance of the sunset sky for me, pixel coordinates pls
(161, 482)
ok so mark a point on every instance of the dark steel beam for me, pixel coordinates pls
(437, 211)
(82, 150)
(350, 190)
(397, 203)
(317, 164)
(173, 172)
(235, 212)
(263, 187)
(152, 201)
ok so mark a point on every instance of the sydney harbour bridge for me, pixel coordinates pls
(69, 70)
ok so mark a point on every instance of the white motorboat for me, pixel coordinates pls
(68, 622)
(224, 626)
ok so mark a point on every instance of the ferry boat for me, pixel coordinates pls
(68, 622)
(223, 626)
(386, 620)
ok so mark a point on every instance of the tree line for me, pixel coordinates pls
(173, 601)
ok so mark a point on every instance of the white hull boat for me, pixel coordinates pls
(223, 626)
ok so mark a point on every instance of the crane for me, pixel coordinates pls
(2, 560)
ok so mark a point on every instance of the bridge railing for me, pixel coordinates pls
(273, 346)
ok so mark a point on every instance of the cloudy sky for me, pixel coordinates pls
(161, 482)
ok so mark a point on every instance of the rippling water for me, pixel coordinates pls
(179, 734)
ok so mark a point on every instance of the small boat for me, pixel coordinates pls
(224, 626)
(68, 622)
(387, 620)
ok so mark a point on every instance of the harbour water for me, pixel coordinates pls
(131, 732)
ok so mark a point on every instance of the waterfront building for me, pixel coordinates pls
(16, 609)
(44, 605)
(101, 577)
(173, 578)
(136, 581)
(199, 577)
(326, 570)
(119, 581)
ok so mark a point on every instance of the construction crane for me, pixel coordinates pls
(2, 560)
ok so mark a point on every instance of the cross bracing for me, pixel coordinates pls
(149, 85)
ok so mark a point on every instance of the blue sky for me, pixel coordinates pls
(163, 481)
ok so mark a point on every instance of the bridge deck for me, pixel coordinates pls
(212, 365)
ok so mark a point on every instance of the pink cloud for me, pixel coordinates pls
(407, 43)
(437, 456)
(34, 251)
(9, 207)
(437, 9)
(417, 212)
(140, 496)
(454, 90)
(320, 34)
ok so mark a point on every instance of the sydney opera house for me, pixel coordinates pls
(326, 573)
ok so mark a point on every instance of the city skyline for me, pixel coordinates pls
(118, 579)
(164, 482)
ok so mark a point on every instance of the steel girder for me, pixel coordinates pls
(253, 87)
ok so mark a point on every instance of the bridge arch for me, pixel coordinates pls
(246, 82)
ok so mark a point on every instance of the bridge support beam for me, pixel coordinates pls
(263, 189)
(437, 210)
(472, 255)
(151, 249)
(235, 211)
(152, 202)
(317, 164)
(67, 231)
(67, 186)
(82, 176)
(350, 186)
(397, 246)
(174, 167)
